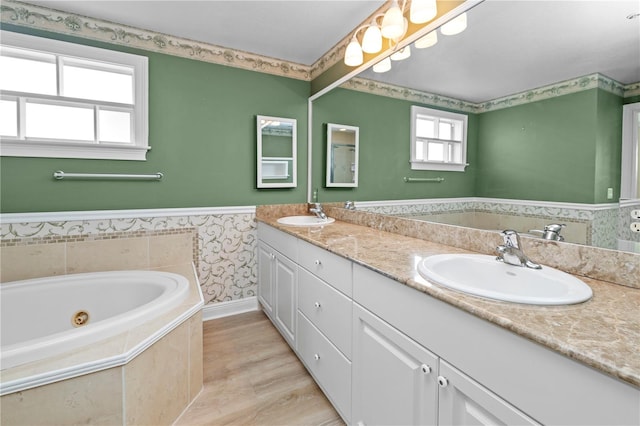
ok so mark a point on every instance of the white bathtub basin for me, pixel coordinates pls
(484, 276)
(305, 221)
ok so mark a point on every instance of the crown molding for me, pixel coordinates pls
(42, 18)
(632, 89)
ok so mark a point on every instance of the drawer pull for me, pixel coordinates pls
(317, 305)
(425, 369)
(317, 262)
(443, 382)
(316, 357)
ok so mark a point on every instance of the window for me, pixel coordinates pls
(65, 100)
(438, 140)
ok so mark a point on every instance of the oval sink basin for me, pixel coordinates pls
(305, 221)
(484, 276)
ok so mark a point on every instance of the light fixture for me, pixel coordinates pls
(422, 11)
(455, 26)
(401, 54)
(372, 39)
(353, 55)
(393, 22)
(382, 66)
(427, 41)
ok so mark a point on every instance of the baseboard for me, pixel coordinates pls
(231, 307)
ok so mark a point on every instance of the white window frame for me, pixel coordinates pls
(417, 164)
(21, 146)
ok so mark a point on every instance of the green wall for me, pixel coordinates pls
(202, 130)
(384, 150)
(565, 148)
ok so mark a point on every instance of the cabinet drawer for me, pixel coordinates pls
(331, 370)
(332, 268)
(328, 309)
(281, 241)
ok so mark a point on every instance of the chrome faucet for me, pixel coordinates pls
(317, 210)
(551, 232)
(349, 205)
(511, 253)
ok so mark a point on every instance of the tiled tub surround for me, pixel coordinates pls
(138, 377)
(223, 245)
(586, 224)
(603, 333)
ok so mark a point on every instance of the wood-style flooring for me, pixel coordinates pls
(252, 377)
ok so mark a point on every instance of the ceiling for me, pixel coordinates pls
(509, 46)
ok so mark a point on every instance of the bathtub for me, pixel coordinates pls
(48, 316)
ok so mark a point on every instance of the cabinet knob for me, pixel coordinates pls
(316, 357)
(317, 262)
(443, 382)
(317, 305)
(425, 369)
(273, 256)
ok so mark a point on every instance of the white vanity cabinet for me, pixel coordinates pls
(324, 318)
(277, 279)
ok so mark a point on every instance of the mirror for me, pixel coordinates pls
(342, 155)
(489, 71)
(631, 152)
(276, 148)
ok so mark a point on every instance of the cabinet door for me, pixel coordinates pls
(285, 297)
(465, 402)
(266, 260)
(394, 378)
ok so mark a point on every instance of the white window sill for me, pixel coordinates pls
(449, 167)
(9, 148)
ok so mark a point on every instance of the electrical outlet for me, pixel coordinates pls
(635, 214)
(635, 227)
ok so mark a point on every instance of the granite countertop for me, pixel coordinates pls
(603, 332)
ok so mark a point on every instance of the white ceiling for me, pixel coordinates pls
(509, 46)
(298, 31)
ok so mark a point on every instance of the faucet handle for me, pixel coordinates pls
(511, 238)
(555, 227)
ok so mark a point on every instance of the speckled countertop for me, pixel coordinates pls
(603, 332)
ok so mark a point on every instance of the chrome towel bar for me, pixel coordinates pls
(59, 175)
(437, 179)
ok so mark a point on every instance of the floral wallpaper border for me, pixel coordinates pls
(601, 220)
(546, 92)
(42, 18)
(227, 266)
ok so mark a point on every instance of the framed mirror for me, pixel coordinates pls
(342, 155)
(276, 157)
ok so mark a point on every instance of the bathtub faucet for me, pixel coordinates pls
(317, 210)
(511, 253)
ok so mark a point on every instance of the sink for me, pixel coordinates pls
(305, 221)
(484, 276)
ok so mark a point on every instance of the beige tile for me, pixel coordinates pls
(32, 261)
(92, 399)
(196, 374)
(157, 380)
(107, 255)
(170, 250)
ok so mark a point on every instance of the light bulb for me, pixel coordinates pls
(401, 54)
(353, 55)
(422, 11)
(393, 22)
(372, 40)
(382, 66)
(427, 40)
(455, 26)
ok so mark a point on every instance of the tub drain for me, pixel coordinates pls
(80, 318)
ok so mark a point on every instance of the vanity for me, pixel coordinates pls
(388, 347)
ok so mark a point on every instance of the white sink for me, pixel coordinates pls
(484, 276)
(305, 221)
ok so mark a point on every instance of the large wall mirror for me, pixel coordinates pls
(276, 158)
(342, 155)
(544, 84)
